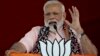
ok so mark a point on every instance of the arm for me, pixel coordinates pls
(87, 46)
(26, 44)
(17, 47)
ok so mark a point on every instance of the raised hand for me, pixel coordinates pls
(75, 20)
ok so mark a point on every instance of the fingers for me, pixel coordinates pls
(74, 11)
(70, 12)
(8, 52)
(74, 14)
(67, 22)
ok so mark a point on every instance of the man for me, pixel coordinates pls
(57, 27)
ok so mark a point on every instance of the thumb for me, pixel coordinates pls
(68, 23)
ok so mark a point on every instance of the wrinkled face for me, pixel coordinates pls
(54, 13)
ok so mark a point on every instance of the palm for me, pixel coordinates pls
(75, 19)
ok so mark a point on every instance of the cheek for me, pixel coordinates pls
(45, 17)
(45, 20)
(59, 18)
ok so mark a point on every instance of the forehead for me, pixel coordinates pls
(53, 8)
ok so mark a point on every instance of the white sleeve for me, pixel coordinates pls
(30, 38)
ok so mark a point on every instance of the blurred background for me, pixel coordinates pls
(19, 16)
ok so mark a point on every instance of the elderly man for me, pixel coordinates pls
(56, 27)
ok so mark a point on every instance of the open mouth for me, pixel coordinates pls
(52, 23)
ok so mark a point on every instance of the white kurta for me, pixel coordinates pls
(31, 37)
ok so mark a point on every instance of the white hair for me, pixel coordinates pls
(53, 2)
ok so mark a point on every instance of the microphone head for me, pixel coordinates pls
(53, 24)
(55, 27)
(47, 28)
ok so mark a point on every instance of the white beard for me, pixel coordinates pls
(59, 24)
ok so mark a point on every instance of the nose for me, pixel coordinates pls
(52, 16)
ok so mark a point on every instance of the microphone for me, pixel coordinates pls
(47, 28)
(55, 27)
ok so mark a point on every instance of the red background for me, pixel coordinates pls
(19, 16)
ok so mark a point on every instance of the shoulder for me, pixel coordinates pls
(36, 28)
(34, 31)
